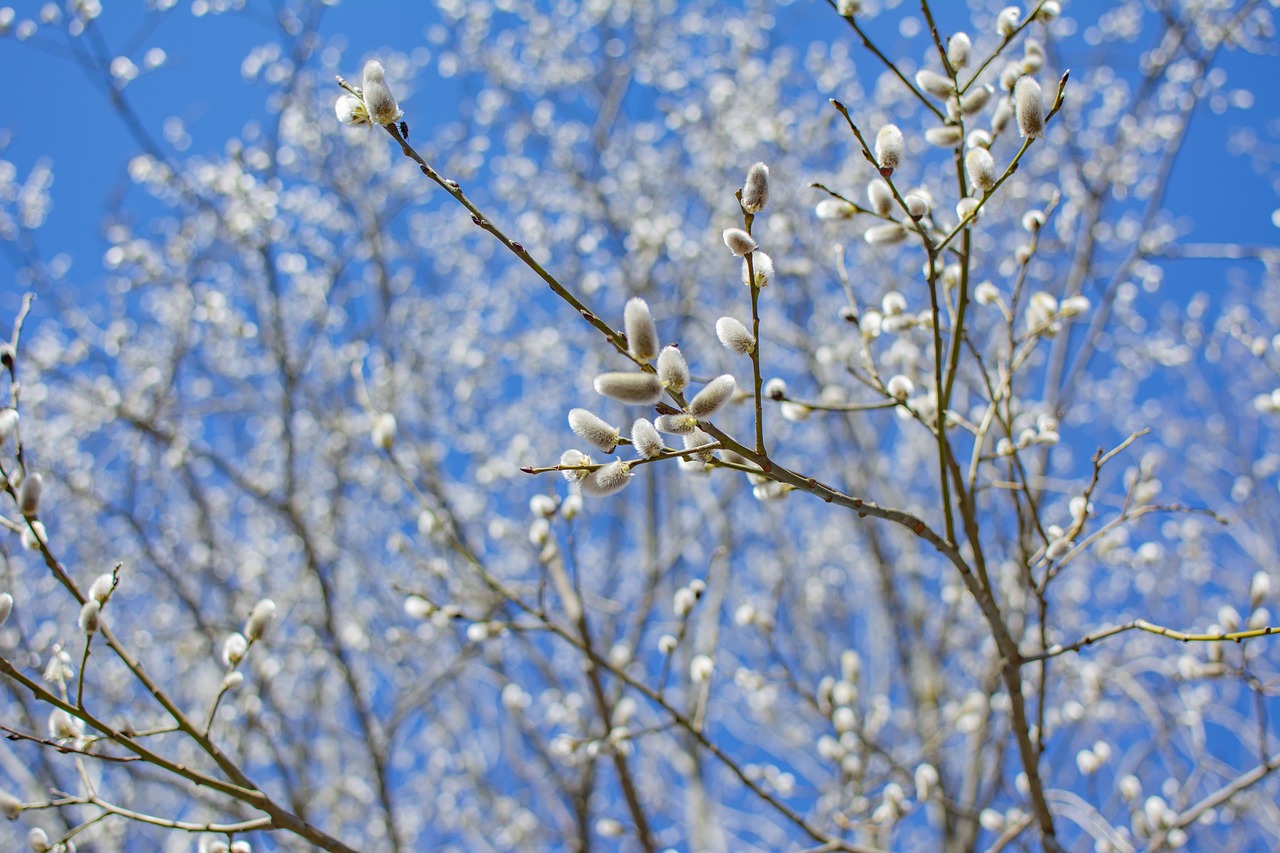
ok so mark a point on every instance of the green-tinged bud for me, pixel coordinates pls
(34, 535)
(680, 424)
(232, 681)
(958, 47)
(234, 648)
(885, 235)
(645, 439)
(889, 148)
(608, 480)
(848, 8)
(642, 334)
(378, 99)
(90, 617)
(982, 169)
(761, 266)
(935, 83)
(755, 193)
(696, 439)
(834, 208)
(713, 397)
(573, 462)
(946, 136)
(6, 607)
(1029, 106)
(1048, 11)
(739, 241)
(594, 430)
(986, 294)
(639, 389)
(63, 726)
(965, 207)
(899, 387)
(1007, 20)
(259, 618)
(29, 495)
(673, 370)
(38, 840)
(735, 336)
(880, 196)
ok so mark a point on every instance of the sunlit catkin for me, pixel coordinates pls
(982, 169)
(594, 430)
(645, 438)
(755, 193)
(958, 47)
(734, 335)
(713, 397)
(889, 146)
(880, 196)
(642, 334)
(673, 370)
(607, 480)
(259, 618)
(378, 99)
(29, 494)
(638, 389)
(1029, 107)
(90, 617)
(739, 241)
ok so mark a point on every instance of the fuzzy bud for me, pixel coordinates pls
(761, 266)
(378, 99)
(383, 432)
(986, 294)
(8, 424)
(701, 668)
(958, 47)
(885, 235)
(645, 438)
(834, 208)
(259, 618)
(935, 83)
(102, 587)
(713, 397)
(739, 241)
(776, 389)
(899, 387)
(6, 607)
(982, 169)
(572, 461)
(946, 136)
(889, 146)
(974, 100)
(34, 535)
(848, 8)
(594, 430)
(38, 840)
(234, 648)
(673, 370)
(90, 616)
(917, 206)
(29, 495)
(697, 439)
(10, 806)
(1259, 590)
(607, 480)
(642, 334)
(1007, 20)
(640, 389)
(1029, 106)
(966, 208)
(232, 680)
(351, 111)
(681, 424)
(880, 196)
(756, 191)
(735, 336)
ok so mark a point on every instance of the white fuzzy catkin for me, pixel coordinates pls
(607, 480)
(975, 99)
(680, 424)
(378, 99)
(259, 618)
(739, 241)
(958, 47)
(10, 806)
(640, 389)
(8, 423)
(383, 432)
(6, 607)
(29, 494)
(756, 190)
(234, 648)
(946, 136)
(593, 429)
(351, 111)
(982, 169)
(572, 461)
(642, 334)
(880, 196)
(102, 587)
(734, 335)
(917, 206)
(834, 208)
(713, 397)
(90, 617)
(889, 146)
(761, 266)
(645, 438)
(965, 207)
(673, 370)
(696, 439)
(1000, 118)
(935, 83)
(1007, 20)
(1029, 106)
(885, 235)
